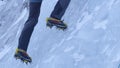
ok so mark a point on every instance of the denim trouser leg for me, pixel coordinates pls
(60, 9)
(34, 12)
(35, 0)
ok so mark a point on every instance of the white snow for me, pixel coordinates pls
(92, 39)
(2, 3)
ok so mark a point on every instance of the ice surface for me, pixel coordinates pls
(92, 39)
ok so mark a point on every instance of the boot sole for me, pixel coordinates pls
(22, 59)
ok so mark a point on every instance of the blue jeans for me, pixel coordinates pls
(35, 0)
(57, 13)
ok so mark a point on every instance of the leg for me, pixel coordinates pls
(60, 9)
(29, 25)
(58, 12)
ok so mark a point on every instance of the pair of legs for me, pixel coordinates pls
(34, 12)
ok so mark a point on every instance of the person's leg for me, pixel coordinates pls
(60, 9)
(34, 12)
(56, 15)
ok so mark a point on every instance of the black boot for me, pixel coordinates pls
(55, 22)
(23, 56)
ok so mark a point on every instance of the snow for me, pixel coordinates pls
(92, 39)
(2, 3)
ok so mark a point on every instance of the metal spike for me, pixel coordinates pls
(22, 61)
(30, 62)
(63, 29)
(59, 28)
(26, 63)
(49, 26)
(16, 58)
